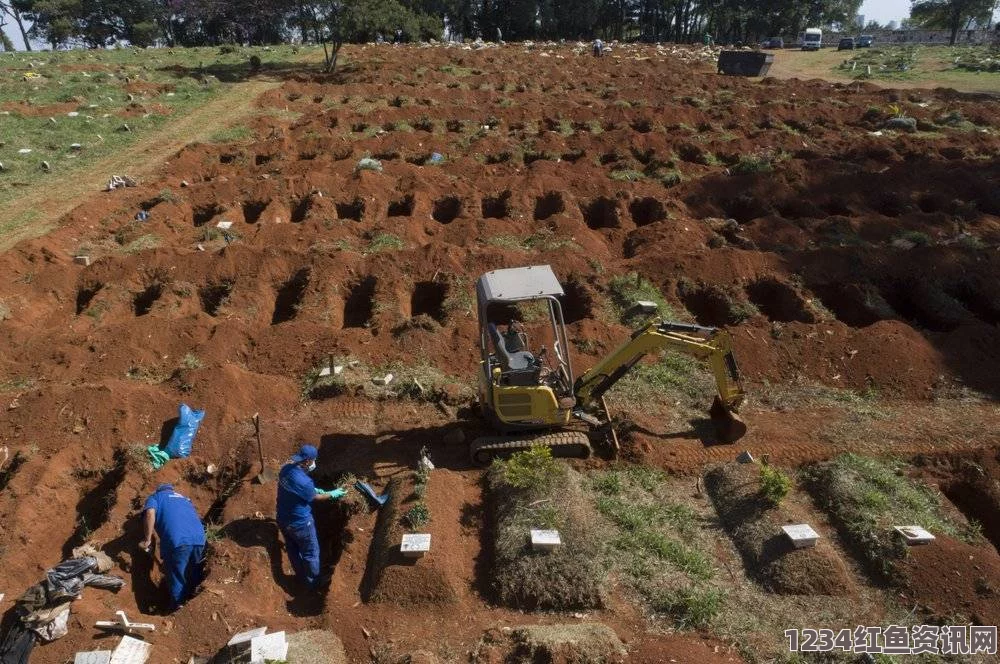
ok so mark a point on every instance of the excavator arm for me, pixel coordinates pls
(707, 343)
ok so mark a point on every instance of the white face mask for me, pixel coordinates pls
(312, 466)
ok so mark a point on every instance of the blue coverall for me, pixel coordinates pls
(182, 542)
(296, 491)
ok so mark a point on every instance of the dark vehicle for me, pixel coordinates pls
(775, 42)
(846, 44)
(865, 41)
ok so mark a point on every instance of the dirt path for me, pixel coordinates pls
(42, 206)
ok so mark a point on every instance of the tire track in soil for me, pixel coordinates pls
(50, 203)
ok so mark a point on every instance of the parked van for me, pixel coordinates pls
(812, 40)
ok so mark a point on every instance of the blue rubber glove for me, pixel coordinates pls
(336, 493)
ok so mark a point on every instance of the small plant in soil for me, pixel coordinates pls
(774, 484)
(691, 608)
(191, 361)
(626, 290)
(384, 242)
(417, 516)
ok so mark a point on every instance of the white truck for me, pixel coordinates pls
(812, 40)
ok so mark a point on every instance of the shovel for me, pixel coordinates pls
(266, 474)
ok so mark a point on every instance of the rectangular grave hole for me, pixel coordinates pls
(984, 303)
(253, 209)
(289, 298)
(351, 209)
(214, 295)
(454, 126)
(642, 126)
(646, 211)
(262, 159)
(428, 300)
(10, 470)
(574, 155)
(360, 303)
(301, 209)
(418, 159)
(779, 301)
(359, 127)
(307, 156)
(387, 155)
(97, 500)
(548, 205)
(85, 294)
(202, 214)
(498, 158)
(601, 213)
(402, 207)
(496, 207)
(143, 302)
(446, 209)
(577, 304)
(228, 158)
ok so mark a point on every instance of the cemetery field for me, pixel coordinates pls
(284, 221)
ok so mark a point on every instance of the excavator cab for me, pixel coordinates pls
(523, 386)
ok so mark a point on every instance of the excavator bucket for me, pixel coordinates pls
(728, 426)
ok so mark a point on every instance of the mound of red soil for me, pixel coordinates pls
(949, 578)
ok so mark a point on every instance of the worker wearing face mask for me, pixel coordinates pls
(296, 492)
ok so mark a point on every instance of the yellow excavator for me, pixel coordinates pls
(531, 398)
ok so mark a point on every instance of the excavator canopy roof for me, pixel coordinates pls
(518, 283)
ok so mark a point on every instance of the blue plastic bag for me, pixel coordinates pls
(182, 439)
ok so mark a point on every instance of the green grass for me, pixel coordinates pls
(231, 134)
(100, 97)
(384, 242)
(542, 240)
(191, 361)
(655, 544)
(625, 290)
(867, 497)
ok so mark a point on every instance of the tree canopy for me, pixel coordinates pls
(952, 15)
(206, 22)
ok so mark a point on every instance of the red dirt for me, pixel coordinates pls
(949, 578)
(103, 354)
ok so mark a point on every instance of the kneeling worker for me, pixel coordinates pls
(296, 492)
(182, 541)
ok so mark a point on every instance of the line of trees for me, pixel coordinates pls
(201, 22)
(98, 23)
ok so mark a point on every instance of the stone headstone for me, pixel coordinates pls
(245, 637)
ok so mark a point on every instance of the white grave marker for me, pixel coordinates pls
(801, 534)
(415, 545)
(93, 657)
(545, 540)
(269, 647)
(244, 637)
(914, 534)
(130, 651)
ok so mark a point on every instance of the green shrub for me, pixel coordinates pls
(534, 469)
(417, 516)
(626, 290)
(774, 484)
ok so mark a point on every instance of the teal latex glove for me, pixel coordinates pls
(319, 491)
(337, 493)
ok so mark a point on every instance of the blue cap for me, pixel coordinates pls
(165, 487)
(306, 453)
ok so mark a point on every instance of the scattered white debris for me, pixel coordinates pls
(46, 167)
(415, 545)
(76, 147)
(201, 248)
(745, 457)
(801, 534)
(82, 260)
(224, 225)
(73, 114)
(211, 469)
(383, 380)
(24, 151)
(118, 181)
(545, 540)
(325, 371)
(914, 534)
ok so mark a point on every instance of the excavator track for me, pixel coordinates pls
(563, 444)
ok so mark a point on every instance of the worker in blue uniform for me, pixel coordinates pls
(296, 493)
(182, 541)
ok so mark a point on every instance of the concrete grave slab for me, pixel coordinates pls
(545, 540)
(914, 534)
(93, 657)
(130, 651)
(415, 545)
(802, 535)
(245, 637)
(269, 647)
